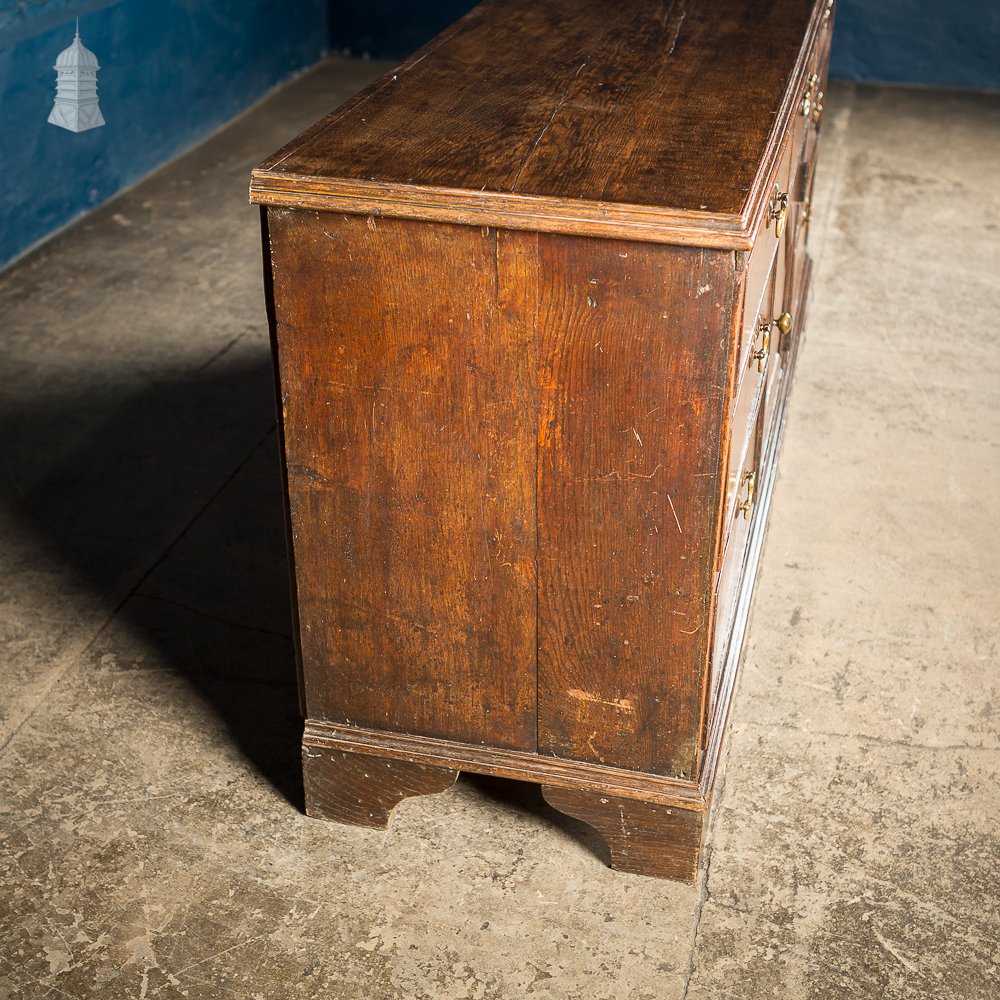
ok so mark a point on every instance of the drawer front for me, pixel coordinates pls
(756, 364)
(793, 258)
(788, 272)
(806, 127)
(760, 274)
(727, 587)
(770, 238)
(794, 285)
(773, 391)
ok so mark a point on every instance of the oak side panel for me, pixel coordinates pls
(634, 348)
(407, 388)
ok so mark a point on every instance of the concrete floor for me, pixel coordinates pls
(152, 838)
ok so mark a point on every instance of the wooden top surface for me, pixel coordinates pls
(650, 119)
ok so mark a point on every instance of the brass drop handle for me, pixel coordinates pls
(764, 329)
(750, 481)
(778, 211)
(784, 325)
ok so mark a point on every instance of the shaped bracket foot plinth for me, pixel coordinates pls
(362, 789)
(645, 838)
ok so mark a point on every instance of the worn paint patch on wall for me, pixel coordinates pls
(170, 74)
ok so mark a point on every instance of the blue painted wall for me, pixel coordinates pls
(171, 72)
(940, 43)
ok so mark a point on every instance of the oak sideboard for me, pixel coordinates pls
(536, 298)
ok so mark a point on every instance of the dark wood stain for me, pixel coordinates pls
(667, 104)
(566, 99)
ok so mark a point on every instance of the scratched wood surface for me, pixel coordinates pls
(634, 346)
(407, 389)
(363, 790)
(671, 104)
(644, 838)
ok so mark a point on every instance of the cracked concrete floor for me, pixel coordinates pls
(151, 839)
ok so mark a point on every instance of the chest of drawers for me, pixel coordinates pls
(535, 299)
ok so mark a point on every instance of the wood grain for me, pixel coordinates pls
(363, 790)
(508, 450)
(407, 394)
(674, 107)
(634, 349)
(503, 763)
(644, 838)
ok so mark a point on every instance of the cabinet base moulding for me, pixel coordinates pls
(644, 838)
(362, 790)
(652, 825)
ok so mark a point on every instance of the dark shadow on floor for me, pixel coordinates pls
(178, 486)
(525, 797)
